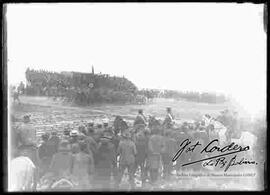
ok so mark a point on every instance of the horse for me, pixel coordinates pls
(22, 174)
(215, 127)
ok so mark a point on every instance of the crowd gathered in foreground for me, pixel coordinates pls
(96, 156)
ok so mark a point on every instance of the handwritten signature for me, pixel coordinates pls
(220, 159)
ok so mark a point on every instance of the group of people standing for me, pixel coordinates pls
(94, 156)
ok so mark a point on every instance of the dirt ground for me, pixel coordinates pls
(47, 113)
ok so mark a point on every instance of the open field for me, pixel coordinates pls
(47, 113)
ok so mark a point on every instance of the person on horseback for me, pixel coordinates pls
(140, 119)
(169, 119)
(120, 125)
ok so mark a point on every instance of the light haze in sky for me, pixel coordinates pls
(212, 47)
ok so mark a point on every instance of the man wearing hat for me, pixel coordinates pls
(141, 142)
(61, 164)
(28, 139)
(53, 143)
(127, 152)
(105, 123)
(66, 134)
(104, 161)
(156, 146)
(90, 128)
(140, 119)
(82, 165)
(44, 156)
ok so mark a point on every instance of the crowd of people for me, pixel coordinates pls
(95, 156)
(80, 88)
(89, 88)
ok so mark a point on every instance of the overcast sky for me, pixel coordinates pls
(202, 47)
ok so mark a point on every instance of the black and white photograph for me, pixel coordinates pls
(135, 96)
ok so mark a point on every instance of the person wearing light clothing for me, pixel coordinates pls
(28, 141)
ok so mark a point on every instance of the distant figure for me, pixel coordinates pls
(169, 119)
(15, 95)
(21, 88)
(140, 119)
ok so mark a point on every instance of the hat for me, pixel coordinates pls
(105, 120)
(26, 117)
(45, 136)
(74, 133)
(90, 123)
(104, 139)
(66, 131)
